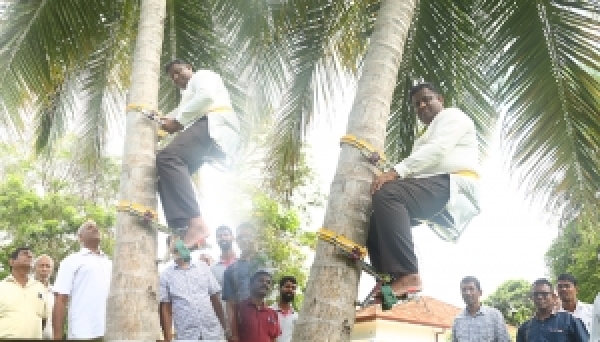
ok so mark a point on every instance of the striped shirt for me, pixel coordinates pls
(487, 325)
(189, 290)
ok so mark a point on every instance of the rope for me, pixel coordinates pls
(373, 156)
(152, 114)
(147, 214)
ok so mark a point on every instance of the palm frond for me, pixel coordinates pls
(551, 95)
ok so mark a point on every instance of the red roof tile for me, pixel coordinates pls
(426, 311)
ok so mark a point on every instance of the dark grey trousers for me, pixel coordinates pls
(396, 207)
(175, 164)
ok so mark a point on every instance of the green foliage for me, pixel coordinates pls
(512, 299)
(44, 200)
(576, 251)
(46, 223)
(283, 241)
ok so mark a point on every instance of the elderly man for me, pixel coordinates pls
(43, 267)
(23, 309)
(437, 182)
(82, 281)
(207, 129)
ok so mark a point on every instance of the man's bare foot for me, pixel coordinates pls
(197, 234)
(407, 283)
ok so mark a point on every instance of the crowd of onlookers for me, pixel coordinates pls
(198, 300)
(559, 316)
(226, 300)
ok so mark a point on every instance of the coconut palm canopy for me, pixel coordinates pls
(529, 66)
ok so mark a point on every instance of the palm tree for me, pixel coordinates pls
(529, 65)
(132, 303)
(328, 310)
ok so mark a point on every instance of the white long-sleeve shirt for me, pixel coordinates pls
(449, 145)
(206, 94)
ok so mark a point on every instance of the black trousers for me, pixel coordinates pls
(175, 164)
(396, 207)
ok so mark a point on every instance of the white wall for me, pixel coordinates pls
(388, 331)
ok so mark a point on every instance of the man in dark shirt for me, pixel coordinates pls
(256, 321)
(236, 279)
(547, 326)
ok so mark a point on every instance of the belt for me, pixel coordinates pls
(467, 173)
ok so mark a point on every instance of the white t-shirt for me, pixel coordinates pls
(85, 277)
(584, 312)
(286, 322)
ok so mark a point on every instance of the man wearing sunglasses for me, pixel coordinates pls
(547, 325)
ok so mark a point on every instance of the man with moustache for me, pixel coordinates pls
(436, 183)
(206, 128)
(257, 322)
(189, 299)
(23, 309)
(224, 237)
(43, 267)
(285, 311)
(547, 325)
(477, 323)
(83, 283)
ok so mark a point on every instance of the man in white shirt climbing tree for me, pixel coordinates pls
(205, 128)
(437, 182)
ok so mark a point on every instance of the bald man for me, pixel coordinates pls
(43, 268)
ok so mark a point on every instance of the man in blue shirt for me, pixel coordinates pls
(547, 326)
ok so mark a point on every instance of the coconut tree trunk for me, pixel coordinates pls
(132, 312)
(328, 311)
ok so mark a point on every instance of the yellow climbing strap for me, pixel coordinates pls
(343, 242)
(152, 114)
(374, 156)
(147, 214)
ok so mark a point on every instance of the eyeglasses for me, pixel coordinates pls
(541, 294)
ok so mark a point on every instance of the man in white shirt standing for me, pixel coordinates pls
(207, 129)
(43, 268)
(285, 311)
(437, 182)
(566, 285)
(82, 281)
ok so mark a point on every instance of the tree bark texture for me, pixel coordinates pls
(328, 311)
(132, 312)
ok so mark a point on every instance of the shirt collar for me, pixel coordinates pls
(87, 251)
(177, 267)
(227, 262)
(578, 306)
(30, 281)
(479, 312)
(277, 308)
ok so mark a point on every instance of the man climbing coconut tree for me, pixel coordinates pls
(204, 128)
(436, 183)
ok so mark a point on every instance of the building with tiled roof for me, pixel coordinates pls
(424, 320)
